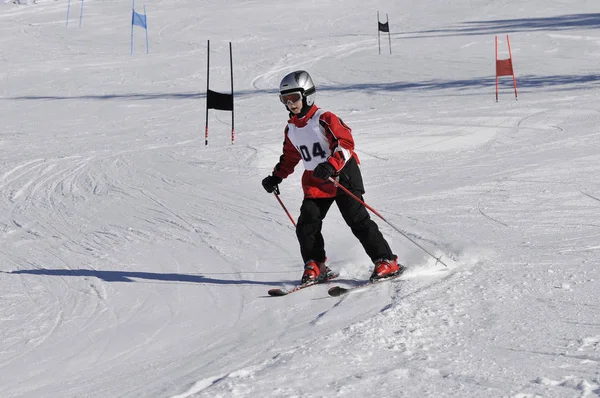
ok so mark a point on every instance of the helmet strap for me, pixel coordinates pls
(305, 108)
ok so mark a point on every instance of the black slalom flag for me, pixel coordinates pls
(220, 101)
(384, 27)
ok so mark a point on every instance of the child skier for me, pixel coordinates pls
(325, 145)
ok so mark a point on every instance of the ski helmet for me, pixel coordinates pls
(299, 81)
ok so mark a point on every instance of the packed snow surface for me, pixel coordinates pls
(136, 260)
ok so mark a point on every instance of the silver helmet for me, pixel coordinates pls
(299, 81)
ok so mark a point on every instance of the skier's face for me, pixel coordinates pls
(295, 107)
(293, 101)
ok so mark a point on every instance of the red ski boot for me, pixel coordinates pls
(315, 272)
(386, 269)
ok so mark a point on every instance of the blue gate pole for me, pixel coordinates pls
(81, 14)
(146, 16)
(132, 16)
(68, 9)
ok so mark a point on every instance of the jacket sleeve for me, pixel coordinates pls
(288, 160)
(341, 142)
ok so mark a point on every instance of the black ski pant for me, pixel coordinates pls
(356, 215)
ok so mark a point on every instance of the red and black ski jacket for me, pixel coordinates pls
(317, 137)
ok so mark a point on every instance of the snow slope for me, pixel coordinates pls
(135, 260)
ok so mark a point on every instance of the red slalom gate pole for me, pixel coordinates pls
(438, 259)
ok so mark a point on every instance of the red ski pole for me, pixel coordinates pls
(284, 209)
(386, 221)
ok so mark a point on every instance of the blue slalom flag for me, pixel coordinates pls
(139, 20)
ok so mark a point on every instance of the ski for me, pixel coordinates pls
(283, 292)
(337, 291)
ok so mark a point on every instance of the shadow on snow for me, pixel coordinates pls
(130, 276)
(503, 26)
(556, 82)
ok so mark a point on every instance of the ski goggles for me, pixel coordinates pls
(290, 97)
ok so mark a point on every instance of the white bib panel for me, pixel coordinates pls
(310, 141)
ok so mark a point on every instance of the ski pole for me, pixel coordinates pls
(276, 193)
(438, 259)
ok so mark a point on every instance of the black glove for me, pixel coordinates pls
(270, 184)
(324, 170)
